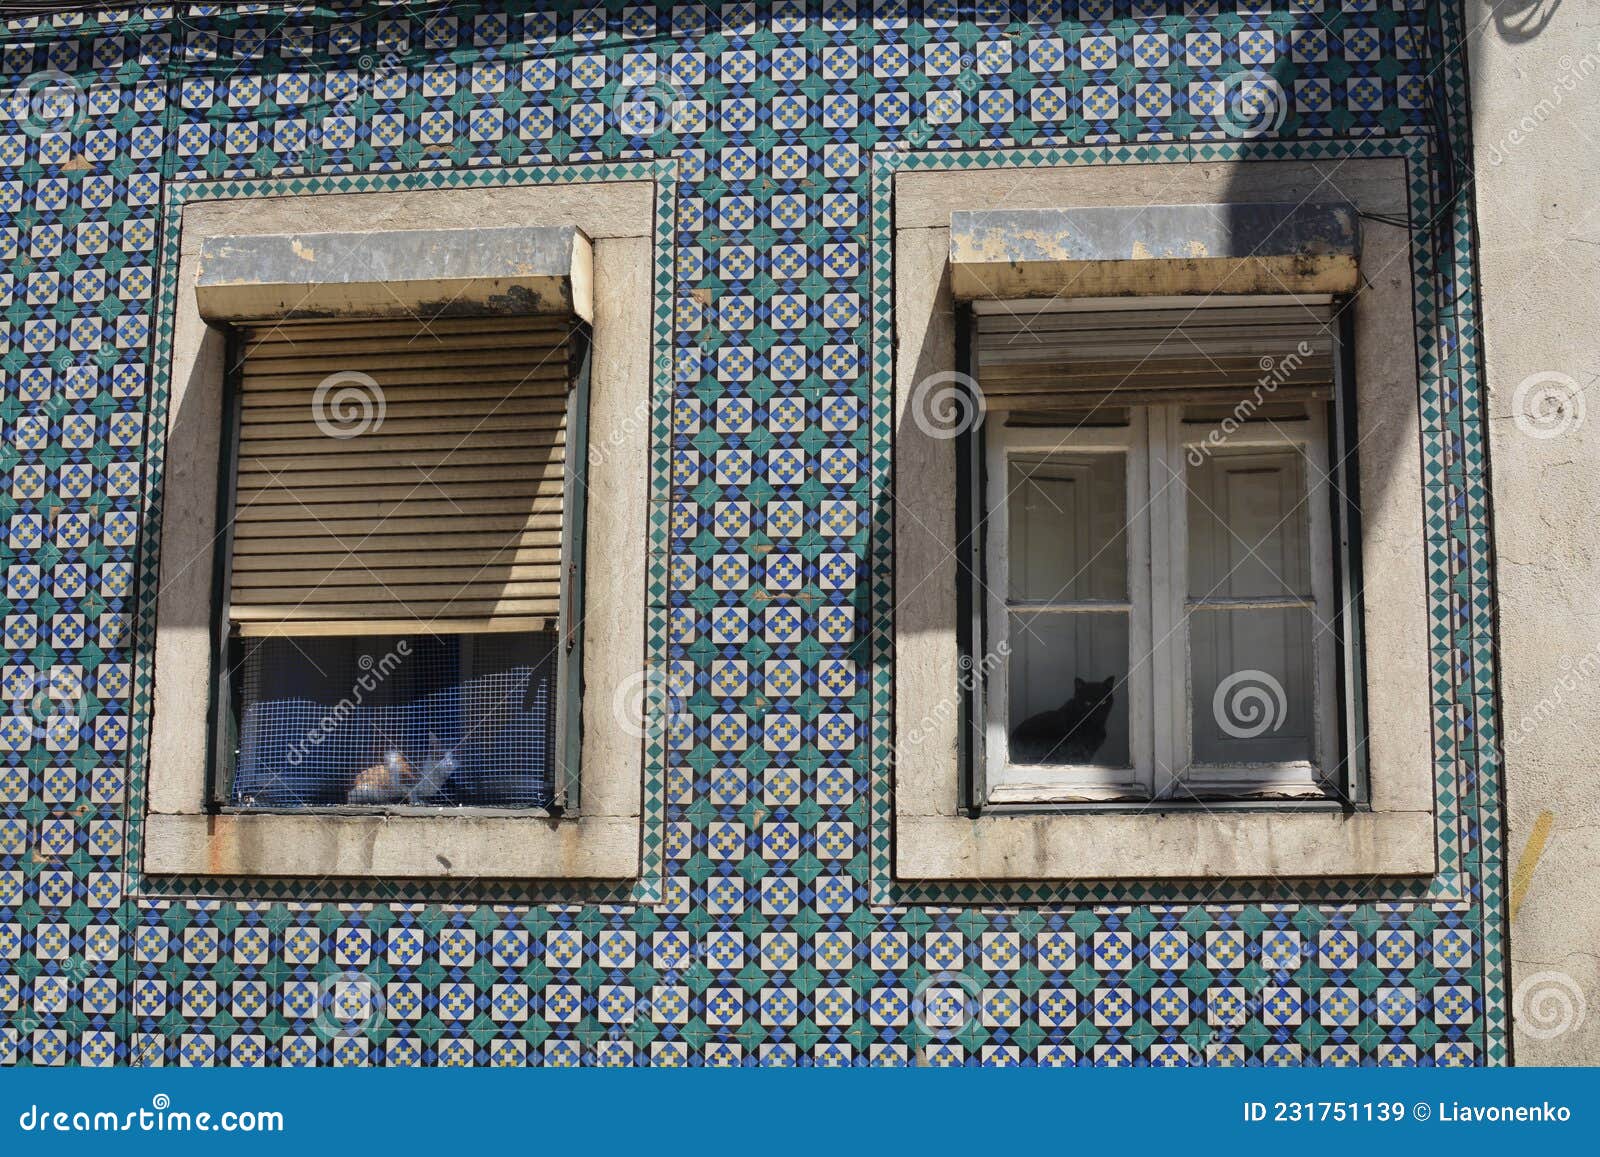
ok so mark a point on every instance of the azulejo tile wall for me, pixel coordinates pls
(769, 927)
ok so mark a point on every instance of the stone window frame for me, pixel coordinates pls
(935, 836)
(602, 838)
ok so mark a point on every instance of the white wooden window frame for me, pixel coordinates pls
(1022, 783)
(1178, 776)
(1155, 444)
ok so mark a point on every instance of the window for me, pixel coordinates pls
(1084, 309)
(376, 655)
(405, 514)
(1159, 603)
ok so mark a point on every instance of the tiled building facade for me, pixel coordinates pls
(767, 925)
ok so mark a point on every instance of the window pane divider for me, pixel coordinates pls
(1168, 654)
(1252, 603)
(1081, 606)
(1274, 434)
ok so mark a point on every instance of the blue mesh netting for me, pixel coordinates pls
(464, 720)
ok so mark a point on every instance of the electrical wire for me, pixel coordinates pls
(51, 7)
(1384, 219)
(181, 10)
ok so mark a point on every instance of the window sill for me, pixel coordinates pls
(593, 847)
(1169, 845)
(1054, 794)
(382, 811)
(1298, 787)
(1045, 796)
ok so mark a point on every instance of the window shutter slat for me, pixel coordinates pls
(433, 499)
(401, 410)
(1037, 360)
(279, 542)
(278, 460)
(437, 446)
(416, 383)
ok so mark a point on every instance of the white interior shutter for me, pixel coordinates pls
(399, 473)
(1043, 359)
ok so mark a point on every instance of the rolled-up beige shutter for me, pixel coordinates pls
(397, 474)
(1050, 359)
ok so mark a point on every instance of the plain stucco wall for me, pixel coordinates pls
(1536, 142)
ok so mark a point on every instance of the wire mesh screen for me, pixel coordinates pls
(387, 721)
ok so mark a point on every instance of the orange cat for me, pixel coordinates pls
(386, 782)
(395, 780)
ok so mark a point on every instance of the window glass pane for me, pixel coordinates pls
(1248, 526)
(1252, 686)
(381, 721)
(1068, 689)
(1066, 525)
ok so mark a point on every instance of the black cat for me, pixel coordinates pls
(1071, 733)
